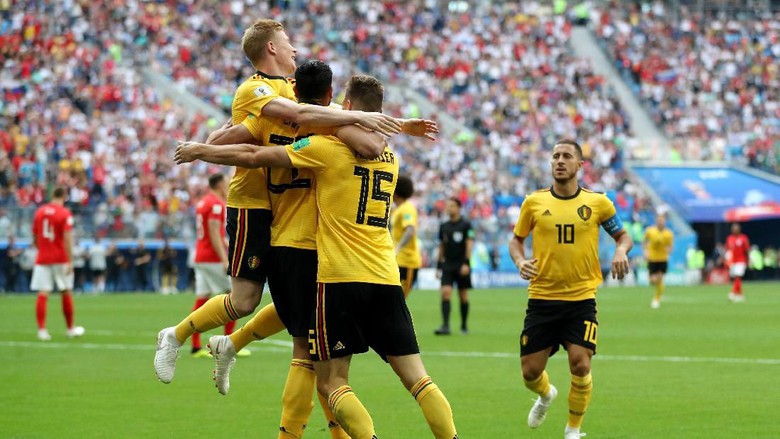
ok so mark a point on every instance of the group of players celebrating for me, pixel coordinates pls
(309, 211)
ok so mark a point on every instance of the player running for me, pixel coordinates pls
(403, 227)
(52, 232)
(658, 246)
(564, 273)
(737, 248)
(360, 302)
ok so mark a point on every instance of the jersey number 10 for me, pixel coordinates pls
(565, 233)
(376, 193)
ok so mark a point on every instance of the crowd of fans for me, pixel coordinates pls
(711, 81)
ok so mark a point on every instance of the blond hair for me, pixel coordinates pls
(257, 36)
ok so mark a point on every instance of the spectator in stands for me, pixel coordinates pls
(115, 263)
(168, 268)
(13, 255)
(142, 259)
(97, 255)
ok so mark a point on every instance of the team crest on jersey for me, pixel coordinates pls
(584, 212)
(253, 262)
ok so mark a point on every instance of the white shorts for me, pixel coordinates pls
(737, 269)
(210, 278)
(47, 277)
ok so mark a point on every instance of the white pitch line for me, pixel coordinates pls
(283, 346)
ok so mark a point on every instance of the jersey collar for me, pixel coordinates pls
(267, 76)
(552, 191)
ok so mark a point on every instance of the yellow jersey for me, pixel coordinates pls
(657, 241)
(248, 188)
(405, 216)
(353, 199)
(565, 241)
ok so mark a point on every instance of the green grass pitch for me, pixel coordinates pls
(698, 367)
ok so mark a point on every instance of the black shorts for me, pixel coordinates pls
(551, 323)
(249, 237)
(408, 278)
(352, 317)
(450, 276)
(292, 279)
(657, 267)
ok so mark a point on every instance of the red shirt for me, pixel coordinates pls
(738, 245)
(208, 208)
(49, 226)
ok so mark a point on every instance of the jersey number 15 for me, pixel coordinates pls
(376, 193)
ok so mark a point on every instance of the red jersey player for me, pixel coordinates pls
(737, 247)
(211, 259)
(53, 237)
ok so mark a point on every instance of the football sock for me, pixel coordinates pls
(213, 314)
(659, 289)
(336, 430)
(262, 325)
(296, 399)
(738, 285)
(445, 313)
(67, 309)
(40, 310)
(351, 413)
(199, 301)
(464, 315)
(579, 398)
(435, 407)
(540, 386)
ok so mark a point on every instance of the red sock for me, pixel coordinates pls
(230, 327)
(40, 311)
(199, 301)
(738, 285)
(67, 309)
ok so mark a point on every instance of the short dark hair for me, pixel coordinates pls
(456, 200)
(215, 179)
(313, 79)
(365, 92)
(572, 143)
(405, 187)
(58, 193)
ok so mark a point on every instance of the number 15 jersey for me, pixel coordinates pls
(566, 241)
(353, 199)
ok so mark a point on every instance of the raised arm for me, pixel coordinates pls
(318, 116)
(244, 155)
(369, 144)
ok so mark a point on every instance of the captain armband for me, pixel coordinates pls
(613, 224)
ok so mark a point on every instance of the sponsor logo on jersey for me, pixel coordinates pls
(547, 213)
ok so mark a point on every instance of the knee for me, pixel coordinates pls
(531, 372)
(324, 388)
(580, 366)
(244, 305)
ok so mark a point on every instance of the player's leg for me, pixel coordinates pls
(447, 279)
(581, 336)
(464, 284)
(42, 282)
(539, 340)
(737, 272)
(64, 283)
(298, 390)
(657, 280)
(332, 380)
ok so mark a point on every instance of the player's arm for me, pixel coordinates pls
(244, 155)
(405, 238)
(466, 264)
(228, 135)
(67, 236)
(215, 237)
(318, 116)
(525, 266)
(363, 141)
(670, 246)
(419, 128)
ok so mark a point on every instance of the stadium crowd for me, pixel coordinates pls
(711, 81)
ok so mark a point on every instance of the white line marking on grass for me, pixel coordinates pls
(284, 345)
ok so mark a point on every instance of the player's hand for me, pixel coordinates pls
(381, 123)
(68, 269)
(438, 274)
(465, 269)
(620, 265)
(226, 125)
(419, 128)
(528, 269)
(185, 152)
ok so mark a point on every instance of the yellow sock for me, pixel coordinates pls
(351, 414)
(659, 289)
(579, 398)
(540, 386)
(336, 430)
(262, 325)
(213, 314)
(435, 407)
(296, 399)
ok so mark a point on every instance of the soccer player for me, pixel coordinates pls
(360, 302)
(52, 232)
(658, 246)
(456, 241)
(737, 247)
(564, 272)
(166, 256)
(211, 259)
(266, 95)
(403, 225)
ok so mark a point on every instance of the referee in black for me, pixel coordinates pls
(456, 240)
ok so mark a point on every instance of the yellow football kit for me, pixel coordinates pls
(405, 216)
(658, 242)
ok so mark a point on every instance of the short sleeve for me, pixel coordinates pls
(216, 212)
(525, 223)
(254, 125)
(311, 152)
(408, 219)
(263, 94)
(469, 231)
(68, 222)
(609, 218)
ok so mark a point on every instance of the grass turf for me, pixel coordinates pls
(698, 367)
